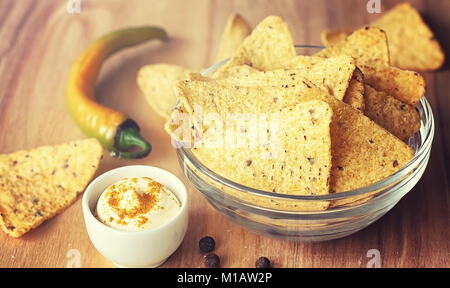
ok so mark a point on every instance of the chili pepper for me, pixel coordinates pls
(116, 131)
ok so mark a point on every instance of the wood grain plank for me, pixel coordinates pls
(40, 40)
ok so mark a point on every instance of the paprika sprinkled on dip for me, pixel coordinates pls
(136, 204)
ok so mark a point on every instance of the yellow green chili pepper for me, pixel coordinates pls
(118, 133)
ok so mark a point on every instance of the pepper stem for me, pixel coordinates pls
(128, 137)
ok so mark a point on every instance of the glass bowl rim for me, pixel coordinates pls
(384, 183)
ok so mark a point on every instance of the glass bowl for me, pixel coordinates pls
(322, 217)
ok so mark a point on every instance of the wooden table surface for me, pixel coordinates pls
(39, 41)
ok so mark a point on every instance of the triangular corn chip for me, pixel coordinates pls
(269, 45)
(300, 158)
(368, 46)
(37, 184)
(406, 86)
(402, 120)
(332, 75)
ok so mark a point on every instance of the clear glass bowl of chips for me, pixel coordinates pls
(311, 218)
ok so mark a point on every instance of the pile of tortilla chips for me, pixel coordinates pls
(293, 124)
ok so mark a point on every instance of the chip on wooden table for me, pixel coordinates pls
(157, 83)
(354, 96)
(399, 118)
(37, 184)
(368, 46)
(236, 30)
(269, 45)
(412, 44)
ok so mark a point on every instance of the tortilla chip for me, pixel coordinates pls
(406, 86)
(269, 45)
(412, 44)
(157, 83)
(210, 96)
(233, 94)
(332, 75)
(400, 119)
(38, 184)
(368, 46)
(301, 159)
(354, 96)
(363, 152)
(236, 30)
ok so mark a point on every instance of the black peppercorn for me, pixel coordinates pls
(262, 262)
(212, 261)
(206, 244)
